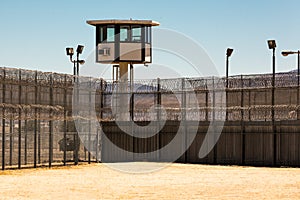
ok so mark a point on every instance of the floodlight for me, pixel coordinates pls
(70, 51)
(272, 44)
(286, 53)
(79, 49)
(229, 52)
(81, 62)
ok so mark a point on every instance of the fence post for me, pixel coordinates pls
(242, 122)
(183, 116)
(25, 128)
(89, 136)
(65, 120)
(158, 116)
(273, 123)
(214, 119)
(131, 93)
(266, 97)
(249, 100)
(11, 130)
(97, 144)
(3, 120)
(51, 122)
(206, 101)
(101, 118)
(214, 98)
(20, 124)
(39, 136)
(101, 99)
(39, 143)
(35, 123)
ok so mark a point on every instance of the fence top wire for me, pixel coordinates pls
(14, 75)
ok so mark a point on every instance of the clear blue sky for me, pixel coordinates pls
(34, 34)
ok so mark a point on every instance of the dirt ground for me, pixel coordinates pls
(177, 181)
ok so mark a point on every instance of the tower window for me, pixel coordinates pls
(136, 34)
(110, 34)
(124, 33)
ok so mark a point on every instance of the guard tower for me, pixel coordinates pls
(123, 43)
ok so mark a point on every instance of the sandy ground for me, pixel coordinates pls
(177, 181)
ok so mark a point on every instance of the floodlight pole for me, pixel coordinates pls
(227, 63)
(74, 69)
(298, 67)
(227, 66)
(273, 104)
(76, 77)
(228, 54)
(273, 85)
(298, 77)
(70, 52)
(298, 83)
(77, 61)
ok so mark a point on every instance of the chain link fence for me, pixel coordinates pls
(37, 119)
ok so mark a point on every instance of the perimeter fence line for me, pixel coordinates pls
(38, 121)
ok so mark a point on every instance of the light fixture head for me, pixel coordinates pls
(81, 62)
(79, 49)
(272, 44)
(229, 52)
(286, 53)
(69, 51)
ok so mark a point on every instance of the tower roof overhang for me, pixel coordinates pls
(122, 22)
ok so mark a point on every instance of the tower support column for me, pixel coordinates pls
(123, 93)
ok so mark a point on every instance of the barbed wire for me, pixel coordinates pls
(25, 95)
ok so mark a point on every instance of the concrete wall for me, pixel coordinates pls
(240, 143)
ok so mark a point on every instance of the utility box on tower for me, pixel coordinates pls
(123, 41)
